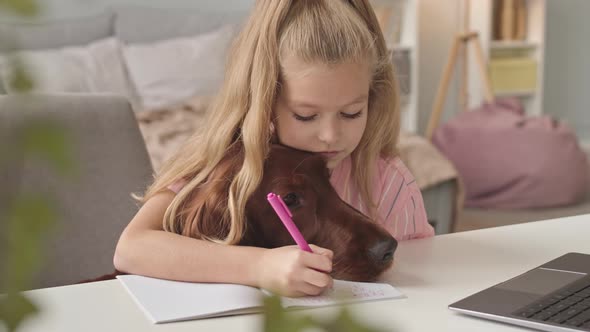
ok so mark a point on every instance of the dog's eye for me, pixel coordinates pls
(291, 199)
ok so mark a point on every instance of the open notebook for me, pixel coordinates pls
(167, 301)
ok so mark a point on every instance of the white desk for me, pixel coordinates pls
(432, 273)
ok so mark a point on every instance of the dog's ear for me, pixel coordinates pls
(206, 213)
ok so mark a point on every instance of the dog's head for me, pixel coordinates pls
(362, 249)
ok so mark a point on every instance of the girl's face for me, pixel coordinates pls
(322, 108)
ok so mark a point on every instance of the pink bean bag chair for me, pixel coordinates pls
(508, 160)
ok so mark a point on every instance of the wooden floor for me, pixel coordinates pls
(471, 219)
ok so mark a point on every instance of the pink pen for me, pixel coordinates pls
(285, 215)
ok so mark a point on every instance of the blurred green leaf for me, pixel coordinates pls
(29, 220)
(21, 7)
(49, 141)
(277, 320)
(28, 217)
(345, 322)
(20, 79)
(14, 307)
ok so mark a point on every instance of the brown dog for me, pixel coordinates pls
(362, 249)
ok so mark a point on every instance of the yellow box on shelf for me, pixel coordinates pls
(513, 74)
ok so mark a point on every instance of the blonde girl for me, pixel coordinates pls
(311, 74)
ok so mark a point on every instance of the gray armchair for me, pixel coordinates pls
(95, 205)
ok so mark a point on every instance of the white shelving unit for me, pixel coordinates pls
(481, 20)
(409, 43)
(406, 47)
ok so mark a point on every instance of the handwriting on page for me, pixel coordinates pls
(366, 291)
(342, 291)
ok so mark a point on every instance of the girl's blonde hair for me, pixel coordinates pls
(319, 31)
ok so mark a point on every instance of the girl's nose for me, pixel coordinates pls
(330, 131)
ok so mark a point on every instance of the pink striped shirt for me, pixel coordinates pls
(400, 207)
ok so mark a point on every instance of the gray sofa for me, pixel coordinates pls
(94, 201)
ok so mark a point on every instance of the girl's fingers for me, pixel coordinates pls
(317, 262)
(310, 289)
(317, 279)
(322, 251)
(295, 294)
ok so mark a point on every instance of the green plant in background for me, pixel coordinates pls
(276, 319)
(26, 8)
(29, 216)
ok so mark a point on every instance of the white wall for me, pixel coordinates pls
(567, 69)
(439, 21)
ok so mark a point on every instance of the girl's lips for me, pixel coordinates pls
(329, 154)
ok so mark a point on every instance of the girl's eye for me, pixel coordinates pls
(303, 118)
(352, 116)
(311, 117)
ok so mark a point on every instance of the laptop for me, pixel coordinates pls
(552, 297)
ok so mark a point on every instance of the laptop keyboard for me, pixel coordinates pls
(568, 306)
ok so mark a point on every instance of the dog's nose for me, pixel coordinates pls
(382, 251)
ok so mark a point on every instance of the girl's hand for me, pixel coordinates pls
(290, 271)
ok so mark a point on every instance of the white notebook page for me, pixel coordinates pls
(166, 300)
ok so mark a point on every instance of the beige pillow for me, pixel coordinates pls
(94, 68)
(165, 130)
(168, 72)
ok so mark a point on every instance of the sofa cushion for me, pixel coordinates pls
(54, 34)
(94, 68)
(137, 24)
(168, 72)
(166, 130)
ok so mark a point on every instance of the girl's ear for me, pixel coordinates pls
(272, 128)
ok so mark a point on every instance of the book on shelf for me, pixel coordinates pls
(509, 20)
(165, 301)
